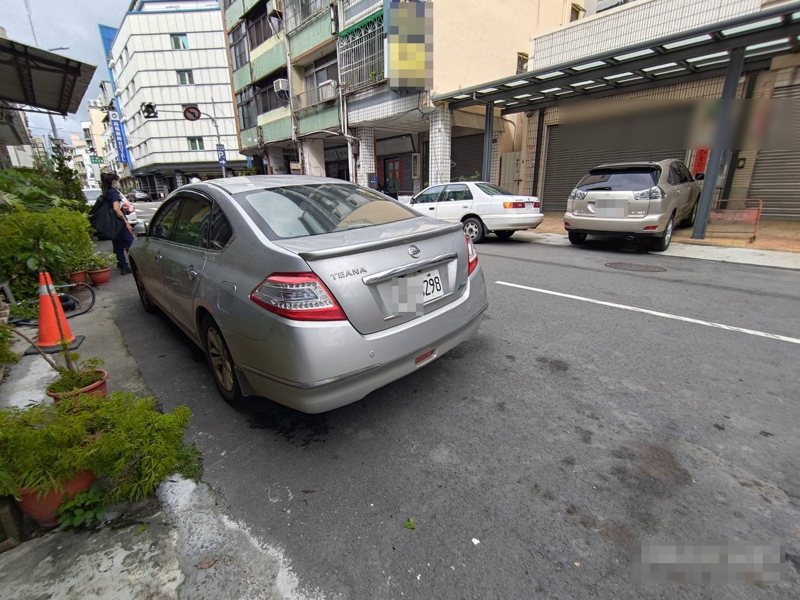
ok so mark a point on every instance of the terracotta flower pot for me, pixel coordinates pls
(44, 509)
(98, 388)
(78, 277)
(100, 276)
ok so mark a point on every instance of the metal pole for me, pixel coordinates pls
(488, 130)
(214, 121)
(722, 138)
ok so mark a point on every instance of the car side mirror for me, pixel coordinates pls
(699, 176)
(413, 200)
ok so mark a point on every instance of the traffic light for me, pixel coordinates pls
(149, 110)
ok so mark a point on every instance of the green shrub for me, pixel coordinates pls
(7, 357)
(129, 444)
(39, 190)
(53, 240)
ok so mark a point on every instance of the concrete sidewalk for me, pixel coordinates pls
(179, 545)
(780, 248)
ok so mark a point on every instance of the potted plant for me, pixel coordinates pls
(99, 267)
(76, 266)
(75, 378)
(85, 378)
(45, 457)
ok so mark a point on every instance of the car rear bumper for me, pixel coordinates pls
(512, 222)
(364, 363)
(649, 225)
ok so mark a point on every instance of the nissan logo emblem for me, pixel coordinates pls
(413, 251)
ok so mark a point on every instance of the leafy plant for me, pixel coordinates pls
(410, 523)
(7, 357)
(85, 510)
(41, 189)
(34, 241)
(81, 375)
(100, 260)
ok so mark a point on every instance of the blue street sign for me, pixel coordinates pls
(221, 154)
(119, 138)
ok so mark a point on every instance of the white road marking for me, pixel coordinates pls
(655, 313)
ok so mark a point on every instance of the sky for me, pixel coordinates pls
(70, 23)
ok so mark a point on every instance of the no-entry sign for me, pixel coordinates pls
(191, 113)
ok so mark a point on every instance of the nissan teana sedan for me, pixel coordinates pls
(311, 292)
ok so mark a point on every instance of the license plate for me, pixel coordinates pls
(425, 286)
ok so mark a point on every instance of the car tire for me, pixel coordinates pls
(661, 243)
(689, 221)
(504, 235)
(576, 238)
(220, 362)
(147, 303)
(474, 229)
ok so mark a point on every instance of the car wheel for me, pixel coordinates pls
(689, 221)
(474, 229)
(576, 238)
(147, 303)
(220, 362)
(661, 243)
(504, 235)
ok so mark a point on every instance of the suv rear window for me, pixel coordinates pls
(304, 210)
(632, 179)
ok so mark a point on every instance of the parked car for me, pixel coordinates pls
(91, 195)
(633, 200)
(129, 210)
(309, 291)
(480, 207)
(135, 195)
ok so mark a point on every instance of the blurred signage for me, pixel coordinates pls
(119, 138)
(409, 43)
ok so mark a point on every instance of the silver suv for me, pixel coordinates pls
(633, 200)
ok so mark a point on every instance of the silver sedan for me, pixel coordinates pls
(311, 292)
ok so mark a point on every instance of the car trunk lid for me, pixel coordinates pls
(615, 192)
(387, 275)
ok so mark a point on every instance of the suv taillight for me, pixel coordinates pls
(653, 193)
(472, 256)
(298, 296)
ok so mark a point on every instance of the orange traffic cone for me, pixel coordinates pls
(54, 330)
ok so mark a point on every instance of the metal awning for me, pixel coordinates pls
(41, 79)
(702, 52)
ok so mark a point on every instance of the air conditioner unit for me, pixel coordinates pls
(327, 90)
(281, 85)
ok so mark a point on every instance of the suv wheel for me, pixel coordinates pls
(689, 221)
(474, 229)
(576, 238)
(661, 243)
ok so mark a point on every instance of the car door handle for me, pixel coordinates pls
(191, 272)
(158, 257)
(431, 208)
(465, 206)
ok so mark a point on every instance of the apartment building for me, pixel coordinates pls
(313, 92)
(172, 54)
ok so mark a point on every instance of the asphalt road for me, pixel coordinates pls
(535, 456)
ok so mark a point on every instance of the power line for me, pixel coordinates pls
(30, 20)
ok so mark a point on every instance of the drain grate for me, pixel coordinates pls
(624, 266)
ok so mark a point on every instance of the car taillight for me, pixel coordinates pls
(653, 193)
(536, 204)
(472, 256)
(577, 194)
(513, 205)
(298, 296)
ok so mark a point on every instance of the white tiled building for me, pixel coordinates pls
(173, 54)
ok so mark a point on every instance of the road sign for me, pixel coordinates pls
(221, 155)
(191, 113)
(95, 160)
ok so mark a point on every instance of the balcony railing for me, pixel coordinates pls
(361, 56)
(325, 92)
(297, 12)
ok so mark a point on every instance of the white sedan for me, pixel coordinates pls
(480, 207)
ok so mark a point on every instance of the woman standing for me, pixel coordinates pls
(109, 182)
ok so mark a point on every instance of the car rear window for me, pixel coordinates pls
(632, 179)
(305, 210)
(492, 190)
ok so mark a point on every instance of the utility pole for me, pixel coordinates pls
(216, 127)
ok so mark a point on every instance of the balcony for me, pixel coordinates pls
(361, 55)
(233, 13)
(322, 118)
(275, 125)
(326, 92)
(297, 12)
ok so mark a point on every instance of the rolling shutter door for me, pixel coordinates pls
(466, 156)
(776, 177)
(572, 150)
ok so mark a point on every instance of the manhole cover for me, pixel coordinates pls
(623, 266)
